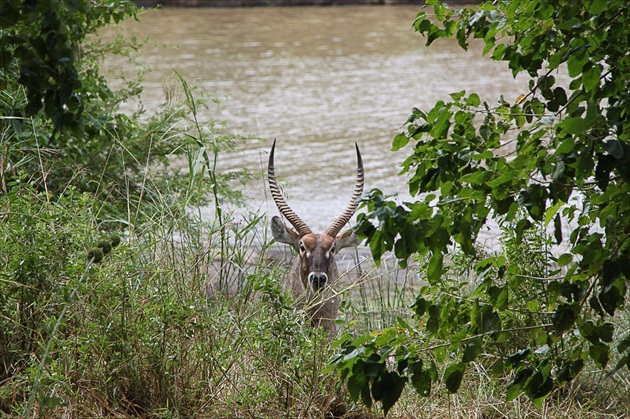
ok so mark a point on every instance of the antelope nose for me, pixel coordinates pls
(318, 280)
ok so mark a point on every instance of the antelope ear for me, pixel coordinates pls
(347, 239)
(283, 234)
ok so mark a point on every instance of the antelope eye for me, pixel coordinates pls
(302, 248)
(333, 248)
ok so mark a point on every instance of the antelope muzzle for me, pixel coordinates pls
(318, 280)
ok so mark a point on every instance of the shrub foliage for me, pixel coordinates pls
(556, 159)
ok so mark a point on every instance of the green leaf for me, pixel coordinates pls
(501, 180)
(433, 322)
(421, 381)
(385, 336)
(477, 177)
(366, 398)
(557, 229)
(567, 146)
(472, 349)
(569, 370)
(606, 332)
(420, 306)
(514, 390)
(377, 247)
(458, 95)
(388, 389)
(595, 7)
(551, 211)
(589, 331)
(605, 165)
(565, 317)
(521, 226)
(354, 354)
(538, 388)
(565, 259)
(535, 200)
(516, 387)
(490, 320)
(453, 376)
(623, 361)
(558, 171)
(618, 149)
(577, 60)
(599, 353)
(356, 385)
(497, 368)
(591, 76)
(499, 296)
(623, 344)
(473, 100)
(434, 270)
(400, 141)
(560, 96)
(575, 126)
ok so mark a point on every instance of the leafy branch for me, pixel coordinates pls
(570, 165)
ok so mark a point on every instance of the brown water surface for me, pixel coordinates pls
(317, 79)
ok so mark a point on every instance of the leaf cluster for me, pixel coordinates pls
(557, 157)
(41, 45)
(61, 123)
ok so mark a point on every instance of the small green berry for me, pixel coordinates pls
(114, 240)
(95, 255)
(105, 246)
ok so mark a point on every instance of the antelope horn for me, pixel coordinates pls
(345, 216)
(282, 205)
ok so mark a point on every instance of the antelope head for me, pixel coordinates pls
(315, 269)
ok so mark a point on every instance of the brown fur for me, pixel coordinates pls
(314, 275)
(315, 254)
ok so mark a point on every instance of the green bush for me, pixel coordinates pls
(556, 156)
(137, 333)
(61, 123)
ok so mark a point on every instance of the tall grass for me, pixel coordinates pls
(154, 311)
(159, 312)
(138, 334)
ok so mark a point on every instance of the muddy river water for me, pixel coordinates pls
(317, 79)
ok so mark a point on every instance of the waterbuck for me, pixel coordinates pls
(314, 273)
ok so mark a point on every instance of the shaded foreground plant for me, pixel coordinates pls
(554, 156)
(134, 333)
(61, 123)
(105, 260)
(457, 335)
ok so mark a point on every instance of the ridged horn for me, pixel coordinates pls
(345, 216)
(282, 205)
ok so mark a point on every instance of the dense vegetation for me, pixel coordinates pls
(555, 159)
(98, 242)
(117, 299)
